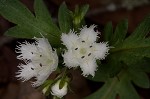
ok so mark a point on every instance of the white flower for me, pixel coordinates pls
(40, 61)
(57, 91)
(83, 50)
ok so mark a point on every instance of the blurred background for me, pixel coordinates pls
(100, 12)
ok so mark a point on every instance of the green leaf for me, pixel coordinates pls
(102, 74)
(105, 92)
(145, 65)
(106, 71)
(64, 18)
(126, 90)
(84, 10)
(131, 52)
(134, 48)
(41, 12)
(16, 12)
(138, 73)
(108, 31)
(120, 33)
(128, 62)
(81, 12)
(142, 30)
(116, 86)
(78, 16)
(20, 32)
(27, 24)
(139, 78)
(43, 15)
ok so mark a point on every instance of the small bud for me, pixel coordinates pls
(57, 91)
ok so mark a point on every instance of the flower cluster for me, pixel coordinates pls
(40, 60)
(83, 50)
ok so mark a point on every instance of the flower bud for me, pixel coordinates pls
(59, 91)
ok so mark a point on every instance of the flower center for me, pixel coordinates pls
(83, 51)
(50, 62)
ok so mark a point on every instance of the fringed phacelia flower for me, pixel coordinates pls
(83, 50)
(56, 90)
(40, 61)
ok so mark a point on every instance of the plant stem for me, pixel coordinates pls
(54, 97)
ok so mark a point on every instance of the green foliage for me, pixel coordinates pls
(114, 86)
(78, 16)
(128, 62)
(28, 25)
(120, 33)
(69, 20)
(46, 87)
(108, 31)
(64, 18)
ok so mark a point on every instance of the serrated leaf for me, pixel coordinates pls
(127, 91)
(105, 92)
(120, 32)
(138, 73)
(102, 74)
(145, 65)
(64, 18)
(43, 15)
(82, 11)
(134, 48)
(140, 78)
(108, 31)
(142, 30)
(106, 71)
(20, 32)
(41, 11)
(78, 16)
(17, 13)
(129, 52)
(116, 86)
(118, 36)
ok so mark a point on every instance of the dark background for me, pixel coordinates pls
(11, 88)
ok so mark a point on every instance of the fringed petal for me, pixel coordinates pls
(88, 34)
(41, 61)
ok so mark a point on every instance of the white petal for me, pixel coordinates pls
(89, 67)
(26, 72)
(88, 34)
(70, 39)
(100, 50)
(56, 91)
(45, 71)
(70, 59)
(26, 50)
(40, 78)
(43, 44)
